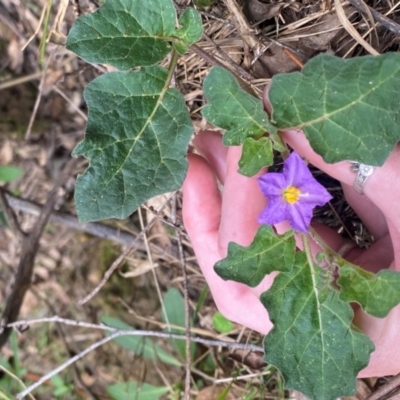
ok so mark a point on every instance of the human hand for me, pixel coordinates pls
(213, 220)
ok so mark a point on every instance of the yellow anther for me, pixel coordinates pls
(291, 194)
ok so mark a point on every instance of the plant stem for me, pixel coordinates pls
(278, 139)
(307, 249)
(171, 67)
(42, 46)
(332, 257)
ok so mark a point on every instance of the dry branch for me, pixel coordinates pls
(30, 246)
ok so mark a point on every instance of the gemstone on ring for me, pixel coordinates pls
(363, 172)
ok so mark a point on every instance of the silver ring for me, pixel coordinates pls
(363, 172)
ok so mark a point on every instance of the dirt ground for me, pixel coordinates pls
(43, 117)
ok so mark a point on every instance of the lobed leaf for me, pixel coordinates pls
(313, 342)
(232, 108)
(136, 140)
(348, 108)
(190, 31)
(376, 293)
(256, 154)
(268, 252)
(124, 33)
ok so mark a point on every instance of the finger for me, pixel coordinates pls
(384, 332)
(378, 256)
(368, 212)
(201, 203)
(209, 144)
(242, 203)
(201, 211)
(395, 236)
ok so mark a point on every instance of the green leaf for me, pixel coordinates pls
(4, 396)
(190, 31)
(256, 154)
(376, 293)
(222, 324)
(313, 342)
(136, 391)
(124, 33)
(267, 252)
(9, 173)
(3, 220)
(204, 3)
(139, 345)
(136, 140)
(232, 108)
(207, 365)
(174, 304)
(348, 109)
(61, 389)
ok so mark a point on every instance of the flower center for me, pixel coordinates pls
(291, 194)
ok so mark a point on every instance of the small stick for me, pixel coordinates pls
(239, 70)
(153, 270)
(388, 387)
(134, 245)
(70, 102)
(56, 217)
(15, 377)
(378, 17)
(186, 302)
(293, 57)
(20, 80)
(38, 98)
(351, 30)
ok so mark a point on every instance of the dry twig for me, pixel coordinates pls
(378, 17)
(30, 246)
(56, 217)
(38, 98)
(186, 300)
(351, 30)
(111, 270)
(379, 394)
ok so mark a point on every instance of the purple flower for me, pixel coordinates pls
(292, 195)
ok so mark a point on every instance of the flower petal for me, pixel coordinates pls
(275, 212)
(312, 192)
(272, 184)
(296, 171)
(300, 217)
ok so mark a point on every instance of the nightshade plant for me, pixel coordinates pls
(136, 141)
